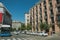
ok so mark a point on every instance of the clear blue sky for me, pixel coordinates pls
(17, 8)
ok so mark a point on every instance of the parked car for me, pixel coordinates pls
(16, 32)
(43, 34)
(23, 32)
(34, 33)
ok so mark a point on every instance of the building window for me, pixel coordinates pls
(50, 4)
(44, 2)
(40, 16)
(52, 19)
(41, 21)
(40, 4)
(36, 11)
(51, 11)
(45, 13)
(40, 13)
(59, 9)
(50, 0)
(58, 1)
(27, 20)
(27, 16)
(46, 21)
(45, 7)
(33, 11)
(58, 18)
(53, 29)
(40, 9)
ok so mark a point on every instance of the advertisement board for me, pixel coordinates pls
(1, 14)
(1, 17)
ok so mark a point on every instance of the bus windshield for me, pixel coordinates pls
(5, 29)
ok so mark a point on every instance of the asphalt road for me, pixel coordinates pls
(30, 37)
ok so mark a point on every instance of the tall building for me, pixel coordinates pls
(27, 19)
(45, 11)
(5, 16)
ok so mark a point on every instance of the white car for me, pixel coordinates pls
(43, 34)
(32, 33)
(23, 32)
(16, 33)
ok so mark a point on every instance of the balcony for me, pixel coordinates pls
(58, 9)
(51, 23)
(58, 19)
(40, 18)
(40, 13)
(57, 22)
(41, 21)
(50, 1)
(58, 2)
(44, 2)
(51, 15)
(58, 14)
(45, 8)
(45, 17)
(51, 7)
(58, 5)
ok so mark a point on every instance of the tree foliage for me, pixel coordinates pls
(19, 28)
(41, 26)
(13, 29)
(23, 27)
(28, 27)
(44, 26)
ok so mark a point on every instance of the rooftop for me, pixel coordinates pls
(1, 5)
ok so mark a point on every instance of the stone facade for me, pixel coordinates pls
(45, 11)
(5, 16)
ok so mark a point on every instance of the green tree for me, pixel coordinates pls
(41, 26)
(23, 27)
(13, 29)
(44, 26)
(28, 27)
(19, 28)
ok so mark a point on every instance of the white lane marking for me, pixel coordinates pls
(14, 39)
(18, 39)
(24, 39)
(2, 39)
(8, 39)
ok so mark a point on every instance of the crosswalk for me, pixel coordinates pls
(14, 39)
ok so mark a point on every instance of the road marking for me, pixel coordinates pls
(18, 39)
(8, 39)
(14, 39)
(2, 39)
(24, 39)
